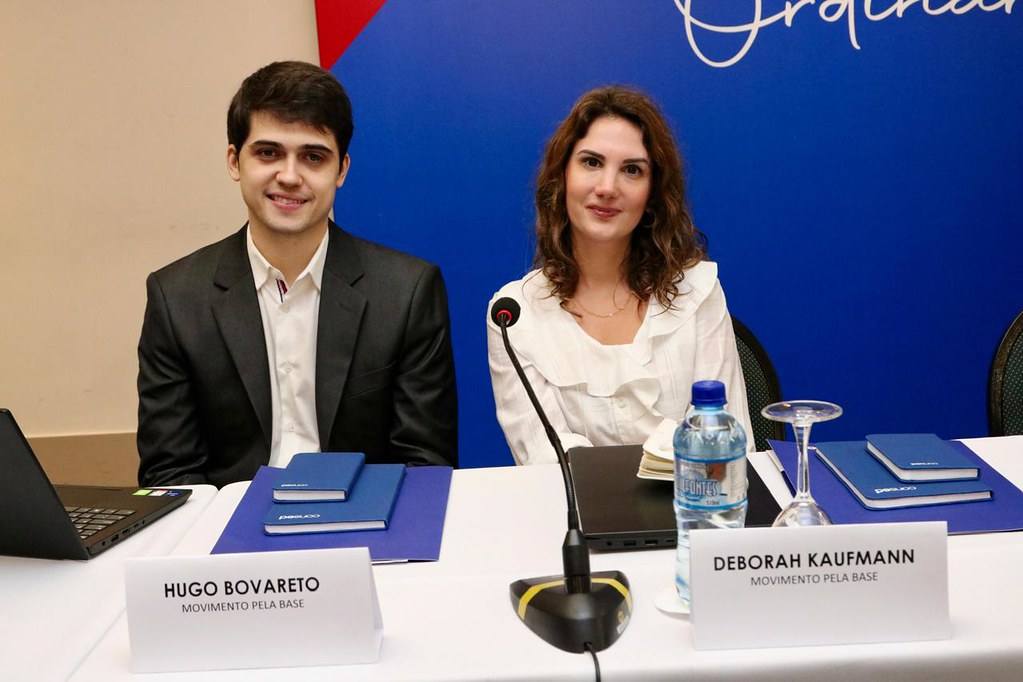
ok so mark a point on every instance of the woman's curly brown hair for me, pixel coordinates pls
(666, 240)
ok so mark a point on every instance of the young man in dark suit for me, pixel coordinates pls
(292, 335)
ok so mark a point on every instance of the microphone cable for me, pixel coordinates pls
(596, 663)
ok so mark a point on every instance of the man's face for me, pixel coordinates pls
(288, 174)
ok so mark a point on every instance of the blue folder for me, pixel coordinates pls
(1003, 513)
(415, 533)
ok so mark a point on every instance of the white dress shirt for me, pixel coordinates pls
(290, 320)
(596, 394)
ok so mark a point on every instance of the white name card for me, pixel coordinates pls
(765, 587)
(260, 610)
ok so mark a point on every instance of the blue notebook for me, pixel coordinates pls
(369, 506)
(319, 477)
(415, 532)
(1003, 513)
(876, 488)
(921, 457)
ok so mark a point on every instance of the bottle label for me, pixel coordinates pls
(711, 486)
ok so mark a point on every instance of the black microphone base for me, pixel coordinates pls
(596, 617)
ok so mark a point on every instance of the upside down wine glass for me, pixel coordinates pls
(802, 414)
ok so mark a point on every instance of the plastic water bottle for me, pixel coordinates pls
(710, 473)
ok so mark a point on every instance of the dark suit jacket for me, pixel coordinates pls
(385, 378)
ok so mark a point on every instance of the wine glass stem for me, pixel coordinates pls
(802, 433)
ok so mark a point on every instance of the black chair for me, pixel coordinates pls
(1005, 384)
(762, 385)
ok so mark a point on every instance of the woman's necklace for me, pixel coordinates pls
(604, 316)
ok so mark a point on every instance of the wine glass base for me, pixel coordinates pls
(801, 513)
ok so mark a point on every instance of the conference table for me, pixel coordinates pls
(453, 620)
(55, 612)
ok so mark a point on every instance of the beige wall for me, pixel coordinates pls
(112, 164)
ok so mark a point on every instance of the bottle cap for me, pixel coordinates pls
(707, 393)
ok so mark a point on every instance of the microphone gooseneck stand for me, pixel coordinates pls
(577, 611)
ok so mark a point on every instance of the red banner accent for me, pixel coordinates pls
(339, 22)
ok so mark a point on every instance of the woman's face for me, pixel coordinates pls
(607, 182)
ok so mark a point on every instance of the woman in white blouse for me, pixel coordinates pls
(622, 314)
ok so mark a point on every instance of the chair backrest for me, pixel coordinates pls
(1005, 384)
(762, 385)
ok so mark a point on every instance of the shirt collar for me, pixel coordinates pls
(263, 272)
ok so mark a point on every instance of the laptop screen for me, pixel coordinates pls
(37, 517)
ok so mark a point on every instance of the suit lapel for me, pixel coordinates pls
(341, 310)
(241, 326)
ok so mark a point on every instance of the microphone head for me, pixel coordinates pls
(505, 312)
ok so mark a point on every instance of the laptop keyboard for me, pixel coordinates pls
(90, 520)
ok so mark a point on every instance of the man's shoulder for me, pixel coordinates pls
(201, 263)
(371, 266)
(375, 256)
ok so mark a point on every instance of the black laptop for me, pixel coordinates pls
(617, 510)
(44, 521)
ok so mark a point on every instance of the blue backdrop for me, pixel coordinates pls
(864, 204)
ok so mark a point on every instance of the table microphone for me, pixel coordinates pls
(579, 610)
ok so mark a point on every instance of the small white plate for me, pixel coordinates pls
(667, 601)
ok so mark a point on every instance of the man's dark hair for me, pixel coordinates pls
(293, 92)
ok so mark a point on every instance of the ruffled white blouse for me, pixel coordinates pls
(596, 394)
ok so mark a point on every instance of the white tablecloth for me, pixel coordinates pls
(453, 619)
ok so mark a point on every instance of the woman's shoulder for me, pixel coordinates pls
(698, 280)
(695, 285)
(532, 291)
(518, 286)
